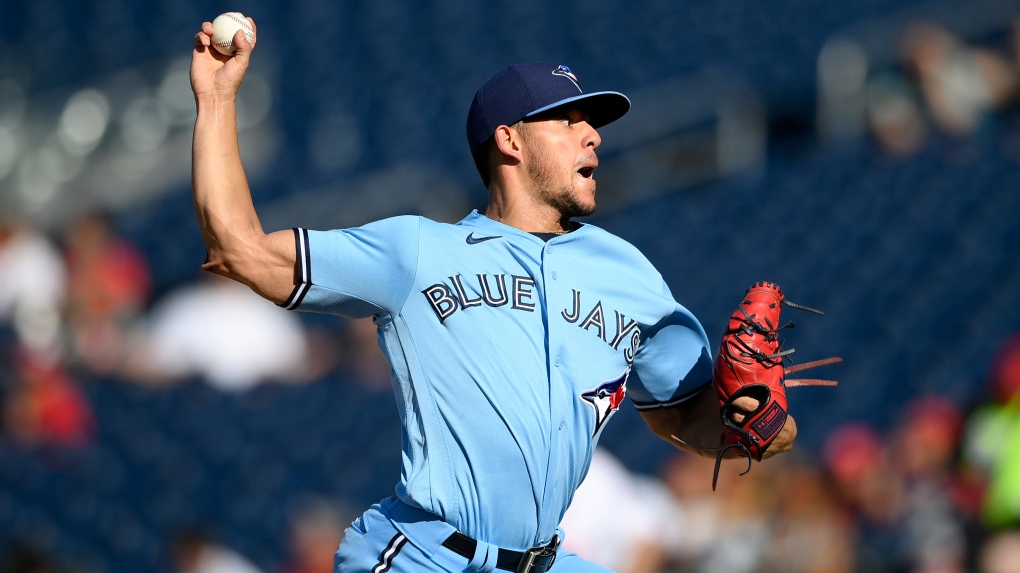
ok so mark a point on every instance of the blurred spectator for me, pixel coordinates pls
(698, 511)
(745, 527)
(926, 439)
(1001, 553)
(729, 529)
(961, 84)
(45, 406)
(925, 445)
(222, 331)
(894, 116)
(108, 287)
(992, 439)
(1004, 372)
(869, 487)
(32, 288)
(812, 533)
(195, 552)
(315, 533)
(612, 522)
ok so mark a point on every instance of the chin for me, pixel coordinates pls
(587, 201)
(583, 208)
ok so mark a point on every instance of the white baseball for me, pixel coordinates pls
(225, 26)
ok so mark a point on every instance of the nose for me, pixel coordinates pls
(592, 138)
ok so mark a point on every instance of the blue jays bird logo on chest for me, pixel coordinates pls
(605, 399)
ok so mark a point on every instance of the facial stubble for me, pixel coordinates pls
(542, 172)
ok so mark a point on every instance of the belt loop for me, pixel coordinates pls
(484, 560)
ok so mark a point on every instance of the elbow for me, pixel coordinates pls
(662, 423)
(662, 432)
(226, 260)
(217, 263)
(230, 249)
(217, 268)
(264, 264)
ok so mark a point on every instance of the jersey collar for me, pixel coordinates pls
(476, 219)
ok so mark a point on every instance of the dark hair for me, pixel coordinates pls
(483, 160)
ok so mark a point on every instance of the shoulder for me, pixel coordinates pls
(402, 222)
(618, 248)
(397, 230)
(602, 236)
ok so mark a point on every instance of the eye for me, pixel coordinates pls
(571, 118)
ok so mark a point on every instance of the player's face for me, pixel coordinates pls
(561, 161)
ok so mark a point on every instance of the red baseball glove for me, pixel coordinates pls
(750, 363)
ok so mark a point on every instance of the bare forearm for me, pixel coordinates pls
(223, 202)
(693, 426)
(236, 245)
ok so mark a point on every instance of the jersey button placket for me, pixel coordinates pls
(553, 276)
(551, 493)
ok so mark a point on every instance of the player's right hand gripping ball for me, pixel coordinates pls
(225, 26)
(750, 363)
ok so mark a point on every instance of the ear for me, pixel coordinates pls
(509, 142)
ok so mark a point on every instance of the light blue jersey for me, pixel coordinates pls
(509, 356)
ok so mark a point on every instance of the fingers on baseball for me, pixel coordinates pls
(243, 46)
(241, 41)
(203, 37)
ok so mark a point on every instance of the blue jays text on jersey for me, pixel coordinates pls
(446, 300)
(509, 355)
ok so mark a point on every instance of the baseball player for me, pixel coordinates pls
(513, 335)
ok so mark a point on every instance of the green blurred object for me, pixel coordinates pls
(994, 445)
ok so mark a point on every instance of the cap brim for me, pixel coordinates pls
(602, 107)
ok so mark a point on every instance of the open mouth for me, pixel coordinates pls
(586, 172)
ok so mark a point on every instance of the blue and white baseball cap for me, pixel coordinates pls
(519, 91)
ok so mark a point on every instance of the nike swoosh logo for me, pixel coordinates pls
(471, 240)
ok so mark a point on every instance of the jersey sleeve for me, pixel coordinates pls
(673, 361)
(358, 272)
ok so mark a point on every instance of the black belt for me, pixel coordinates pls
(534, 560)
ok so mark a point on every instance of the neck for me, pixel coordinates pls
(522, 211)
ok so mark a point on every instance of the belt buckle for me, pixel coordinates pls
(528, 560)
(547, 554)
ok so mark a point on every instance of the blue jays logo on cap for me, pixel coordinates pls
(565, 72)
(605, 399)
(519, 91)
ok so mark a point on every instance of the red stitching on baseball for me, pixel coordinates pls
(243, 23)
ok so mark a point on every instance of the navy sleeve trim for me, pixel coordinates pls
(303, 266)
(641, 406)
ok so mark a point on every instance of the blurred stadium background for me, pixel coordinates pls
(863, 154)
